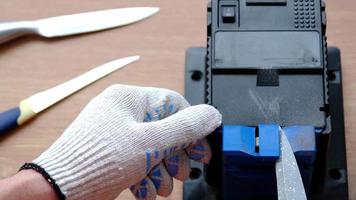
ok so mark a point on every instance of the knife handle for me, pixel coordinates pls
(12, 30)
(15, 117)
(8, 119)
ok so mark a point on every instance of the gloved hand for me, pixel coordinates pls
(120, 140)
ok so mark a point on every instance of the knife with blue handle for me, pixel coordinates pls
(30, 107)
(14, 117)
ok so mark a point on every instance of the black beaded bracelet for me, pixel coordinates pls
(45, 175)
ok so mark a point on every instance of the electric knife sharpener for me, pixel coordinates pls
(267, 64)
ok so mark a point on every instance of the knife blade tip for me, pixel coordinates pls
(134, 58)
(151, 10)
(128, 60)
(155, 9)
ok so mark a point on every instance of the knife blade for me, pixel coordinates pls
(75, 23)
(289, 181)
(30, 107)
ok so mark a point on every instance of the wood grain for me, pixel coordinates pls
(31, 64)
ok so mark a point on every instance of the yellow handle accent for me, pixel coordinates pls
(26, 113)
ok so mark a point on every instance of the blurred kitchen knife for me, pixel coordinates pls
(38, 102)
(76, 23)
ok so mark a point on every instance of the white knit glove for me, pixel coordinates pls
(120, 140)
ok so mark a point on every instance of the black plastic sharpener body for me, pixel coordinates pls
(267, 61)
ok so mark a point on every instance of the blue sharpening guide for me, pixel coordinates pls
(250, 154)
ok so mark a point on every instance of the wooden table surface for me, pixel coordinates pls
(31, 64)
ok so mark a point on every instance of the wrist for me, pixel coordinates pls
(26, 185)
